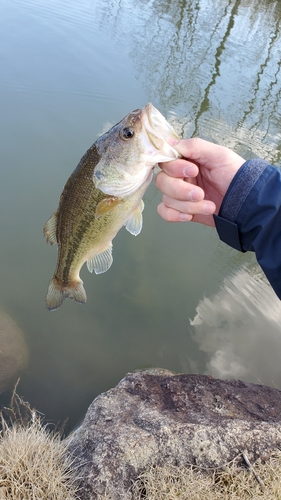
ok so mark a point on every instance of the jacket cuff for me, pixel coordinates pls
(236, 195)
(228, 232)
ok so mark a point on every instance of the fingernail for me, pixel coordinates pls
(208, 208)
(185, 217)
(172, 141)
(195, 195)
(188, 171)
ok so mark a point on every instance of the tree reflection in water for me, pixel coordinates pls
(214, 65)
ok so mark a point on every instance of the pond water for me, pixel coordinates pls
(175, 297)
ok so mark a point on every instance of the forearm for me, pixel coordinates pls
(250, 216)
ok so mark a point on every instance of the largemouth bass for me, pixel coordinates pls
(103, 194)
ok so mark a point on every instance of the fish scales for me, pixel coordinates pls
(75, 214)
(102, 194)
(78, 230)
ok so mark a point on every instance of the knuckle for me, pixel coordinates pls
(159, 179)
(171, 215)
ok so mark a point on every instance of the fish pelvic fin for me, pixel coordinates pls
(50, 229)
(134, 223)
(57, 293)
(101, 262)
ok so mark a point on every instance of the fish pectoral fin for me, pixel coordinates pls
(106, 205)
(101, 262)
(50, 229)
(134, 223)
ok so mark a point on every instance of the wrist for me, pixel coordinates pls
(239, 188)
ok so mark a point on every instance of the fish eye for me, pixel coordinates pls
(127, 133)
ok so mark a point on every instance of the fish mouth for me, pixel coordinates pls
(149, 145)
(159, 123)
(159, 131)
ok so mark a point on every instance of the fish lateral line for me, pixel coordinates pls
(103, 194)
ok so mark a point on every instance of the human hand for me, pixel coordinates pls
(193, 186)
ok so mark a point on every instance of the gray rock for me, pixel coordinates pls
(158, 417)
(13, 351)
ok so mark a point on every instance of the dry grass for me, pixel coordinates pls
(231, 483)
(34, 464)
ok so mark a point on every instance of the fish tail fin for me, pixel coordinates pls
(57, 293)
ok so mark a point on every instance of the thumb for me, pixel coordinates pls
(195, 149)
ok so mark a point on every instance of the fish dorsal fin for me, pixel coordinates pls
(134, 223)
(101, 262)
(50, 229)
(106, 205)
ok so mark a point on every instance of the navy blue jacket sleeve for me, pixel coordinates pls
(250, 216)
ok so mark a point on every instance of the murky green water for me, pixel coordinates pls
(175, 296)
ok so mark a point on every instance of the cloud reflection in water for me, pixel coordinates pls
(239, 330)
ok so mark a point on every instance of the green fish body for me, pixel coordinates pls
(103, 194)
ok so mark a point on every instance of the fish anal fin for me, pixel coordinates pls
(102, 261)
(106, 205)
(57, 293)
(50, 229)
(134, 223)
